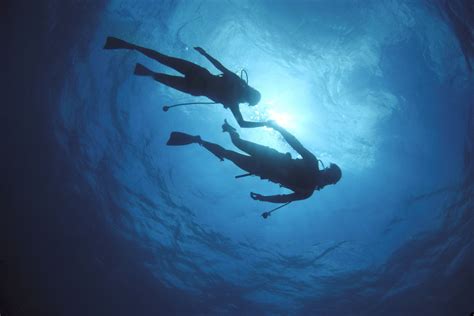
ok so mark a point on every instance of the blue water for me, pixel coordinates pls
(99, 217)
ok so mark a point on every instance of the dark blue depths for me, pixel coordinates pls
(99, 217)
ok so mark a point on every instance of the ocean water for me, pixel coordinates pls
(100, 217)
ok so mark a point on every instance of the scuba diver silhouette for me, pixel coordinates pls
(302, 176)
(226, 88)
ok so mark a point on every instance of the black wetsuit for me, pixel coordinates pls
(302, 176)
(298, 175)
(227, 88)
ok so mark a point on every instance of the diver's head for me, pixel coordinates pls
(330, 175)
(253, 96)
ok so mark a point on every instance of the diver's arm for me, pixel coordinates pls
(290, 139)
(280, 198)
(242, 123)
(214, 61)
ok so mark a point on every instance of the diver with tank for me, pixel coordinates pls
(300, 175)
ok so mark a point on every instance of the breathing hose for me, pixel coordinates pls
(167, 107)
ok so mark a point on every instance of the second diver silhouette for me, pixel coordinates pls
(302, 176)
(227, 88)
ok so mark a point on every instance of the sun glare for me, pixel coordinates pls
(283, 119)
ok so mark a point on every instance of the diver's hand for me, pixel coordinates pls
(256, 196)
(272, 124)
(200, 50)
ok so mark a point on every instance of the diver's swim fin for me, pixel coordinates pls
(179, 139)
(141, 70)
(116, 43)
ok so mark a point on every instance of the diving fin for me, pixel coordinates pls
(179, 139)
(141, 70)
(116, 43)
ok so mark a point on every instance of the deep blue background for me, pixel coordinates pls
(100, 218)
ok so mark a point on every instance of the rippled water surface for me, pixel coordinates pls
(101, 218)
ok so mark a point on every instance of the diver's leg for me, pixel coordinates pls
(176, 82)
(179, 83)
(244, 162)
(244, 145)
(183, 66)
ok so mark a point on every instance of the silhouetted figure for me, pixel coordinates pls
(302, 176)
(226, 88)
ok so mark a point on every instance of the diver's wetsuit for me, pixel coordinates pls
(226, 88)
(298, 175)
(198, 81)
